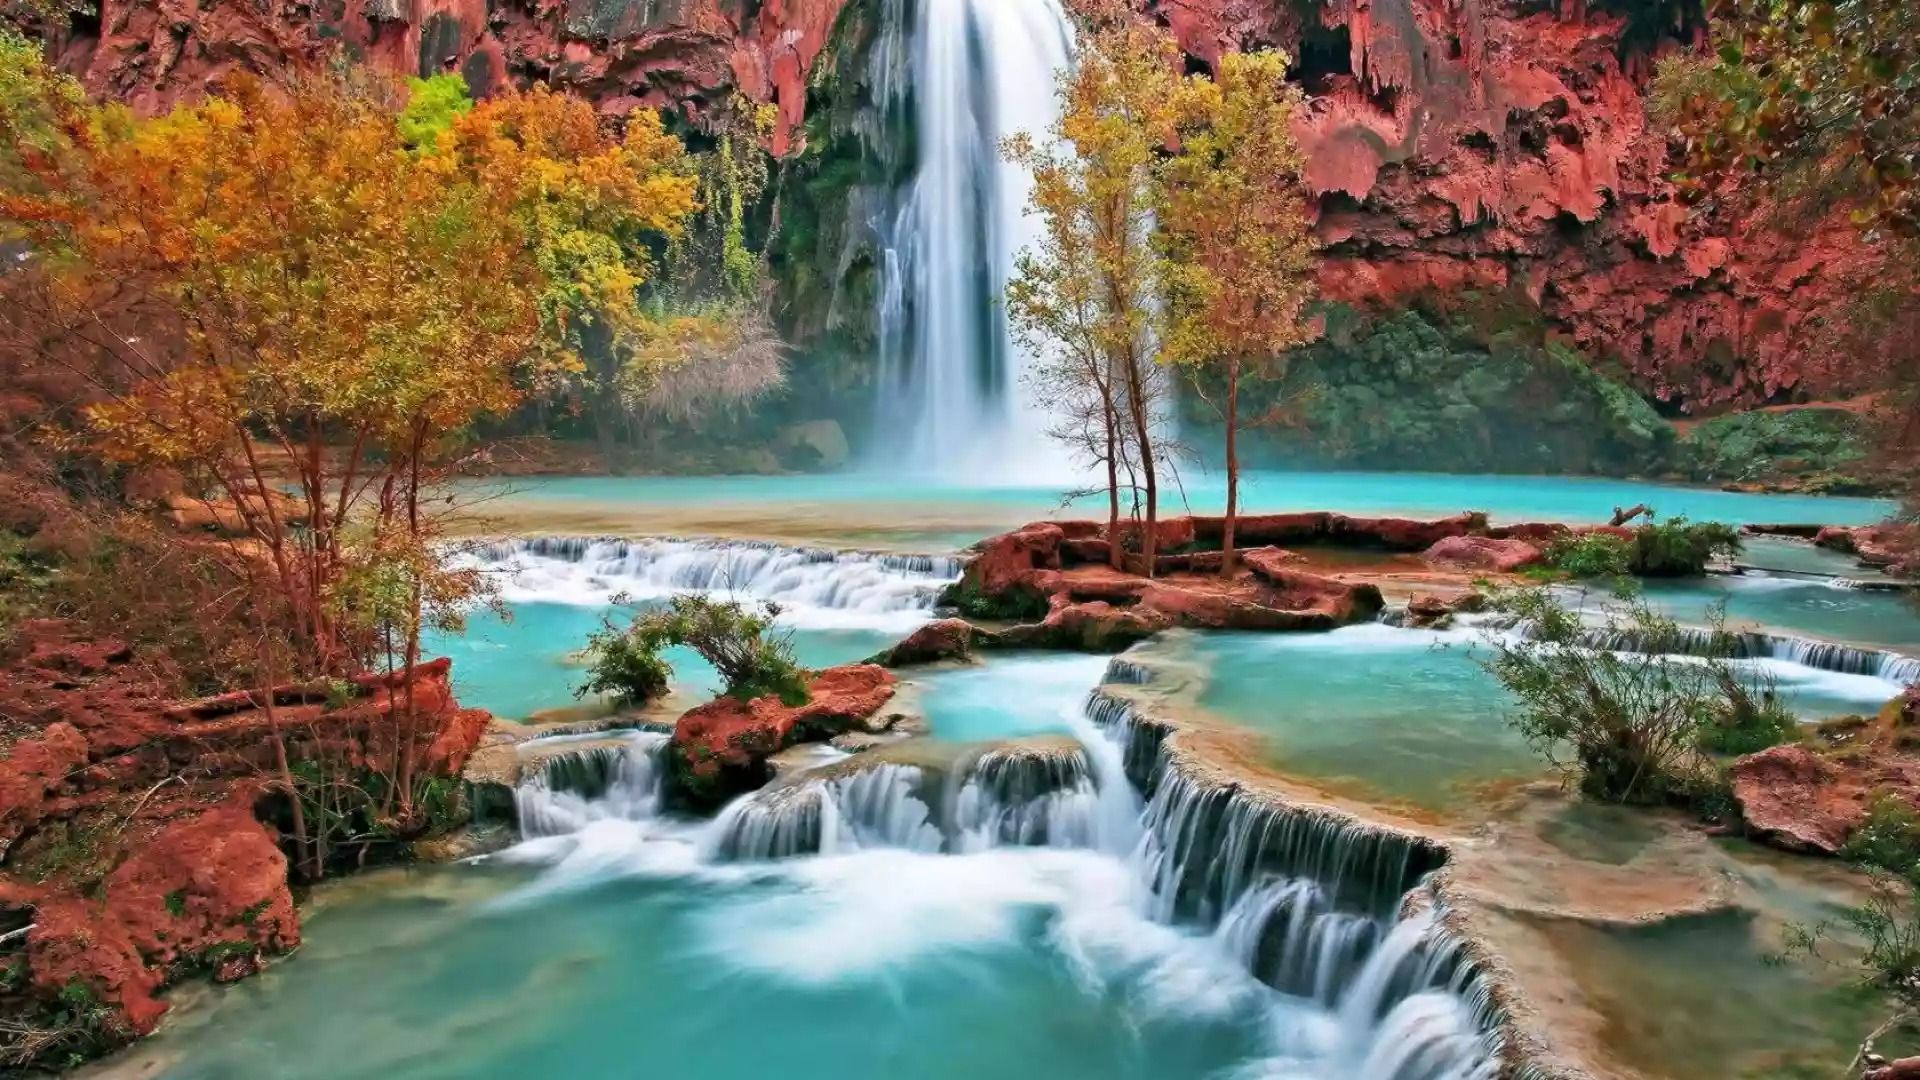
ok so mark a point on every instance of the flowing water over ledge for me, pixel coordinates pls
(1040, 922)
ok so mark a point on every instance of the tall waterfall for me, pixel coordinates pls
(951, 400)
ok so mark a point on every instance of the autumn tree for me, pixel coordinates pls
(1233, 226)
(1084, 298)
(280, 290)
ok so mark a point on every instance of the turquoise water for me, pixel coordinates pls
(1409, 714)
(881, 965)
(520, 665)
(1009, 696)
(941, 514)
(1803, 608)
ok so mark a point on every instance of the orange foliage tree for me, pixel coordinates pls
(1238, 250)
(1082, 299)
(275, 294)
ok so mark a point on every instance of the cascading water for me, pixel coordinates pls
(951, 400)
(619, 778)
(816, 587)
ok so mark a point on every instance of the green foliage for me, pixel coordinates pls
(1591, 555)
(1822, 87)
(1889, 838)
(1675, 548)
(1632, 721)
(1818, 450)
(1477, 390)
(1016, 604)
(24, 578)
(432, 103)
(624, 664)
(740, 642)
(176, 903)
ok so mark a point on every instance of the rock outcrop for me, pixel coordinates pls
(721, 748)
(622, 54)
(1483, 553)
(1053, 579)
(127, 821)
(1494, 146)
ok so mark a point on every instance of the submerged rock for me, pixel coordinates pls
(721, 748)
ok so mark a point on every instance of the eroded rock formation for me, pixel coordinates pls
(721, 748)
(1454, 144)
(623, 54)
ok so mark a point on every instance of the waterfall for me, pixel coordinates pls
(1004, 796)
(817, 587)
(950, 399)
(1755, 645)
(1126, 672)
(1323, 908)
(622, 779)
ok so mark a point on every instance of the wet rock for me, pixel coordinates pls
(721, 748)
(1799, 800)
(1907, 1068)
(1482, 553)
(940, 640)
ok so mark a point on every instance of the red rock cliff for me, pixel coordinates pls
(1498, 144)
(621, 53)
(1454, 143)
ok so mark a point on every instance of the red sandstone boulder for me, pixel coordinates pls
(721, 748)
(1332, 601)
(1258, 529)
(1482, 553)
(1795, 799)
(208, 892)
(1093, 626)
(1402, 534)
(1007, 561)
(942, 639)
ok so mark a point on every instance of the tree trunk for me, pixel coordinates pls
(1116, 555)
(1232, 416)
(1142, 426)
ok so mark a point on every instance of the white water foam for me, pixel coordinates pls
(816, 589)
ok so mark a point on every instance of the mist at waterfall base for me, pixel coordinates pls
(620, 946)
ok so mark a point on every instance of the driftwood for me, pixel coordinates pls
(1621, 517)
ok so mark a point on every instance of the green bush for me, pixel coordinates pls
(1591, 555)
(624, 665)
(1675, 548)
(1889, 838)
(1634, 726)
(739, 642)
(1823, 448)
(1016, 604)
(1461, 391)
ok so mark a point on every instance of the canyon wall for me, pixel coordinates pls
(1453, 144)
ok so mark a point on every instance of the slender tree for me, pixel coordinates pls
(1085, 296)
(1237, 272)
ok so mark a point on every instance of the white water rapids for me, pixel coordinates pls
(875, 878)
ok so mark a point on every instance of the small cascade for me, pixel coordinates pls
(872, 806)
(1016, 797)
(812, 582)
(1756, 645)
(1207, 844)
(1124, 672)
(623, 779)
(1006, 796)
